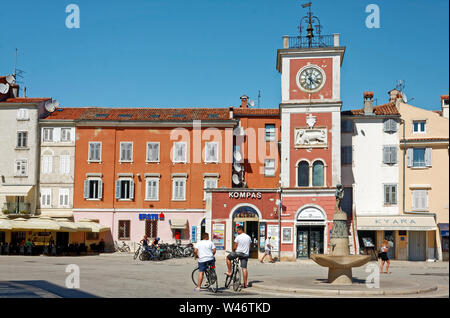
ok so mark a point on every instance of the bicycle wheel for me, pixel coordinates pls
(127, 249)
(136, 254)
(143, 256)
(205, 282)
(237, 280)
(212, 280)
(228, 280)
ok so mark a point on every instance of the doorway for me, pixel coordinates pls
(416, 248)
(309, 240)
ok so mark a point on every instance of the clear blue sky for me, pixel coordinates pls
(209, 52)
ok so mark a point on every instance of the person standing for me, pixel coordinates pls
(384, 257)
(268, 250)
(241, 250)
(204, 251)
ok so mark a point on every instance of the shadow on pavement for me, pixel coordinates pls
(55, 289)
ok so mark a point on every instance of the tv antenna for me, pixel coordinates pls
(18, 73)
(259, 98)
(400, 85)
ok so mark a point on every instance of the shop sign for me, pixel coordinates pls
(146, 216)
(272, 231)
(444, 233)
(194, 234)
(244, 195)
(310, 214)
(394, 221)
(218, 237)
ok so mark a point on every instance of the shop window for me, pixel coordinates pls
(318, 174)
(124, 230)
(303, 174)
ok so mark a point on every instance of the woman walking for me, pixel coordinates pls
(383, 255)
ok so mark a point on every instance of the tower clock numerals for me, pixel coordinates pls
(311, 79)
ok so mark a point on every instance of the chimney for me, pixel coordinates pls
(444, 105)
(14, 90)
(393, 95)
(368, 103)
(244, 99)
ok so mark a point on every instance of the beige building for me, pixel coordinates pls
(424, 180)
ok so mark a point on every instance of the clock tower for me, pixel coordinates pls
(310, 110)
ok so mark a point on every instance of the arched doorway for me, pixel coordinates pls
(248, 218)
(202, 228)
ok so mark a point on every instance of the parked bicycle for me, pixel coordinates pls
(138, 251)
(210, 280)
(188, 250)
(124, 248)
(235, 277)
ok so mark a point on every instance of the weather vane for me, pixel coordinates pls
(308, 20)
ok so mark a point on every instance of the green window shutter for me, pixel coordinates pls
(386, 155)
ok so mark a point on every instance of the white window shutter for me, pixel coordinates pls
(415, 203)
(386, 155)
(131, 189)
(117, 189)
(409, 155)
(393, 127)
(100, 189)
(386, 125)
(86, 189)
(428, 160)
(393, 154)
(56, 134)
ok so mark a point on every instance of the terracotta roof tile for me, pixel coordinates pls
(385, 109)
(24, 100)
(256, 112)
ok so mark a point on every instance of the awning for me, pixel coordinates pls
(67, 225)
(15, 190)
(44, 224)
(5, 224)
(178, 224)
(86, 225)
(398, 222)
(443, 227)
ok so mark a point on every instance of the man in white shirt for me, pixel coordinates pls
(204, 251)
(267, 250)
(241, 250)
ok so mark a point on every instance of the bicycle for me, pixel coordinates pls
(235, 275)
(138, 250)
(124, 248)
(210, 280)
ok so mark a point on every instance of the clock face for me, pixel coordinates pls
(311, 78)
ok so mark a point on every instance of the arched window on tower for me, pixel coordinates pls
(303, 174)
(318, 174)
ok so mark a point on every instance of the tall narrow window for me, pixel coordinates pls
(211, 152)
(46, 198)
(179, 189)
(152, 190)
(64, 198)
(22, 139)
(125, 189)
(209, 183)
(47, 164)
(153, 151)
(93, 189)
(303, 174)
(95, 150)
(420, 200)
(179, 152)
(21, 168)
(47, 134)
(270, 132)
(126, 151)
(64, 164)
(66, 134)
(318, 174)
(390, 194)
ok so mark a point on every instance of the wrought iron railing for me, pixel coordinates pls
(16, 208)
(316, 41)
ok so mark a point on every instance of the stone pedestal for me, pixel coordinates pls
(340, 276)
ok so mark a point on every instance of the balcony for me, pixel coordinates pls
(318, 41)
(16, 208)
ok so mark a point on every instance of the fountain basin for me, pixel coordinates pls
(340, 267)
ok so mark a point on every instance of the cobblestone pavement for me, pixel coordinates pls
(118, 275)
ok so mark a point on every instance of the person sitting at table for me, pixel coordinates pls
(51, 242)
(29, 243)
(22, 243)
(101, 246)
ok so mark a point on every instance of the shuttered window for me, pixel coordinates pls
(64, 164)
(419, 157)
(21, 167)
(420, 200)
(390, 194)
(126, 151)
(95, 151)
(47, 164)
(125, 189)
(152, 190)
(93, 189)
(179, 189)
(390, 125)
(66, 134)
(211, 152)
(209, 183)
(269, 167)
(64, 197)
(46, 198)
(153, 151)
(179, 152)
(270, 132)
(389, 154)
(47, 134)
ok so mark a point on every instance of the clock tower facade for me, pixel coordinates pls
(310, 110)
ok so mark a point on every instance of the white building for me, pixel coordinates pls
(370, 174)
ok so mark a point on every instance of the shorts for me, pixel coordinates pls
(383, 256)
(203, 266)
(267, 252)
(242, 257)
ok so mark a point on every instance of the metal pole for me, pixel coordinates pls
(279, 225)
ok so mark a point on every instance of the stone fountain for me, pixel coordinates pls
(339, 261)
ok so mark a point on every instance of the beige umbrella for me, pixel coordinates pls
(44, 224)
(93, 226)
(67, 225)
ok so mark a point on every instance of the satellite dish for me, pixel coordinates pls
(237, 156)
(55, 103)
(236, 180)
(10, 79)
(405, 100)
(251, 103)
(49, 106)
(4, 88)
(237, 167)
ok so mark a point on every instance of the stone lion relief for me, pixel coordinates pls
(311, 138)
